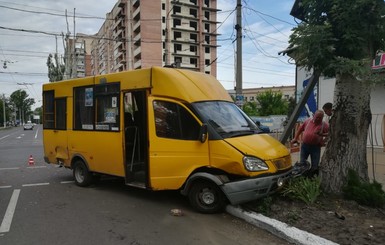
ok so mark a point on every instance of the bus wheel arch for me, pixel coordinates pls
(204, 193)
(82, 176)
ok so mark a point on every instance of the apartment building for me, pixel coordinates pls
(78, 56)
(144, 33)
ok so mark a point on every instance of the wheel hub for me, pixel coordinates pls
(208, 197)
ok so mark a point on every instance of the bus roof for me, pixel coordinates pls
(182, 84)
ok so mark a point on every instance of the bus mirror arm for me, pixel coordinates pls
(203, 133)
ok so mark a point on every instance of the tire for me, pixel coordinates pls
(206, 197)
(81, 174)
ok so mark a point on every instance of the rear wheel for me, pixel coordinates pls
(206, 197)
(81, 174)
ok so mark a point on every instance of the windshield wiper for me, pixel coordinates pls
(232, 134)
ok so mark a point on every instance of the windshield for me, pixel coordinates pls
(226, 118)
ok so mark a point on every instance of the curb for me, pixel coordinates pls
(278, 228)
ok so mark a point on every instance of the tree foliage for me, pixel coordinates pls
(55, 68)
(22, 103)
(339, 36)
(271, 103)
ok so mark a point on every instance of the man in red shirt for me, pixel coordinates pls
(314, 130)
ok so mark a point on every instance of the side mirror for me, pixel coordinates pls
(203, 133)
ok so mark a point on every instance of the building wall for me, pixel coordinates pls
(139, 34)
(250, 94)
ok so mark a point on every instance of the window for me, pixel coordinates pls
(193, 37)
(177, 34)
(84, 108)
(194, 24)
(177, 47)
(175, 122)
(54, 111)
(207, 27)
(207, 50)
(48, 110)
(107, 107)
(61, 113)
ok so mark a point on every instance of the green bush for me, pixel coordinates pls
(263, 205)
(304, 189)
(365, 193)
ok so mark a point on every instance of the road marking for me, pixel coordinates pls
(37, 167)
(37, 131)
(8, 168)
(67, 182)
(5, 186)
(4, 137)
(36, 184)
(7, 220)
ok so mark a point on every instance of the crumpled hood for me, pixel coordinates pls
(262, 146)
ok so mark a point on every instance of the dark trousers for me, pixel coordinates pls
(314, 151)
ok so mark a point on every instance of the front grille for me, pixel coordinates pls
(282, 163)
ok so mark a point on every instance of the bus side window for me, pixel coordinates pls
(84, 108)
(175, 122)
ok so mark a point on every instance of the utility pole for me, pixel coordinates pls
(238, 28)
(5, 122)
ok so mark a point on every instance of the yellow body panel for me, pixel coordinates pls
(171, 161)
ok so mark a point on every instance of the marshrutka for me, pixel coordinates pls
(162, 129)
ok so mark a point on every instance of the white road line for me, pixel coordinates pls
(36, 184)
(37, 167)
(4, 137)
(5, 186)
(7, 220)
(8, 168)
(37, 131)
(67, 182)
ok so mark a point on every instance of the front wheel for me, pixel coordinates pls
(81, 174)
(206, 197)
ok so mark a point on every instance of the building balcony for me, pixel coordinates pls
(135, 3)
(137, 51)
(138, 64)
(136, 14)
(136, 27)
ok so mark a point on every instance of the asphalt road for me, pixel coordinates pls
(40, 204)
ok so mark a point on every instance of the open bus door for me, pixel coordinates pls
(135, 131)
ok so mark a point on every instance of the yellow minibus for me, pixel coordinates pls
(162, 129)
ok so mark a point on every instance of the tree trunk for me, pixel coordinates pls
(346, 148)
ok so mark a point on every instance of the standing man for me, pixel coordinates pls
(314, 130)
(328, 110)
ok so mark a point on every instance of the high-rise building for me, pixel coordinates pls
(144, 33)
(77, 56)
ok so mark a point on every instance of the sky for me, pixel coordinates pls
(26, 40)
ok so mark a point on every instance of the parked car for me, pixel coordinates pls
(28, 126)
(264, 128)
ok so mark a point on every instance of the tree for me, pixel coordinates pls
(23, 104)
(271, 103)
(55, 68)
(339, 38)
(250, 108)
